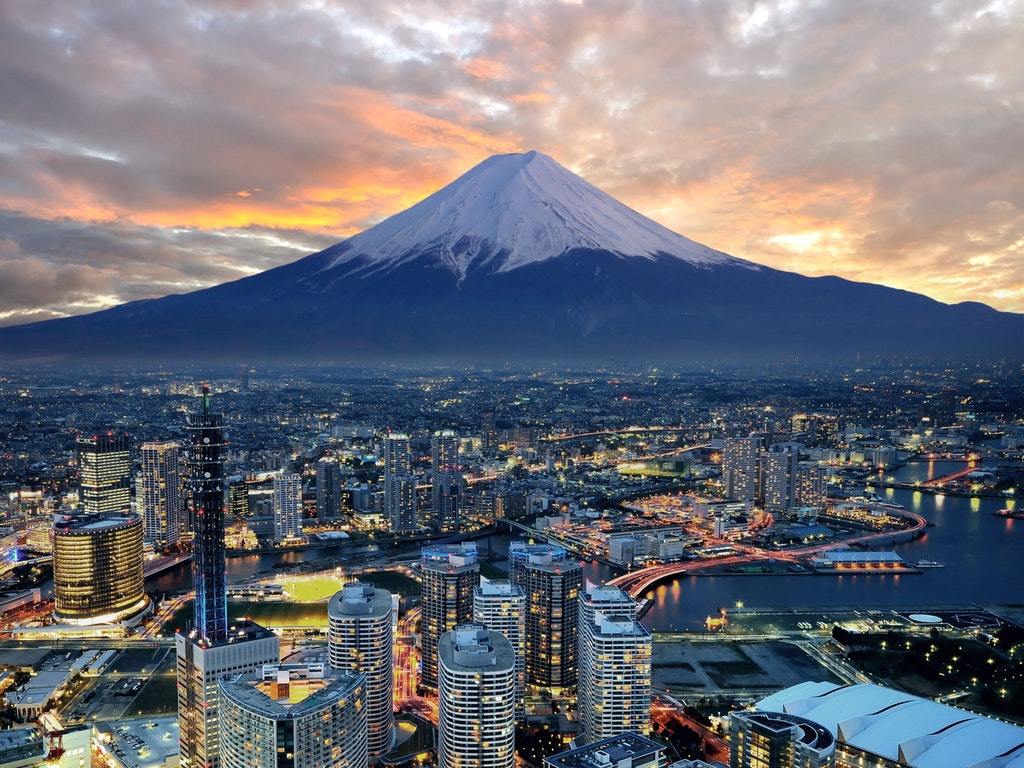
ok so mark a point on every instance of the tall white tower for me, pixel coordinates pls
(360, 640)
(446, 480)
(287, 506)
(500, 606)
(399, 484)
(476, 696)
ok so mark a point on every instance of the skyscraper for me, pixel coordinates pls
(779, 472)
(97, 569)
(811, 485)
(293, 716)
(501, 607)
(449, 574)
(779, 740)
(488, 435)
(399, 484)
(104, 473)
(328, 489)
(159, 493)
(287, 506)
(551, 580)
(446, 480)
(740, 468)
(614, 677)
(360, 640)
(212, 650)
(476, 699)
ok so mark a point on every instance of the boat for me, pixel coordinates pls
(1011, 514)
(929, 564)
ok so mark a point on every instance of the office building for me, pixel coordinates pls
(811, 485)
(97, 569)
(500, 606)
(446, 480)
(476, 699)
(552, 581)
(328, 489)
(614, 690)
(740, 468)
(238, 500)
(287, 506)
(878, 727)
(624, 750)
(159, 493)
(399, 484)
(449, 572)
(212, 650)
(778, 740)
(488, 435)
(779, 478)
(293, 716)
(360, 640)
(104, 473)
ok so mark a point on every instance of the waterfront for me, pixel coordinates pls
(980, 552)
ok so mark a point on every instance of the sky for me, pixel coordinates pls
(159, 147)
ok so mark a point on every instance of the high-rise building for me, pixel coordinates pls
(97, 569)
(603, 598)
(238, 500)
(811, 485)
(360, 640)
(328, 489)
(488, 435)
(287, 506)
(476, 699)
(293, 716)
(159, 494)
(212, 650)
(449, 572)
(779, 478)
(552, 581)
(446, 480)
(399, 484)
(614, 677)
(625, 750)
(778, 740)
(740, 468)
(104, 473)
(500, 606)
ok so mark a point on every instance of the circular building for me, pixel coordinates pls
(97, 569)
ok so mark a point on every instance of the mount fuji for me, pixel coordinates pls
(520, 259)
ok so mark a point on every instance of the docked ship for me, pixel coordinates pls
(1012, 514)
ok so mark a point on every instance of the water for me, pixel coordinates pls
(981, 553)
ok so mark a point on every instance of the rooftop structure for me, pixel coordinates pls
(147, 742)
(871, 721)
(626, 750)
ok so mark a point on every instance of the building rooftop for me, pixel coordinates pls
(449, 555)
(498, 588)
(21, 743)
(148, 742)
(290, 691)
(239, 632)
(899, 726)
(627, 750)
(358, 598)
(807, 732)
(471, 647)
(69, 524)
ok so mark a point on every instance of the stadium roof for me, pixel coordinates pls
(899, 726)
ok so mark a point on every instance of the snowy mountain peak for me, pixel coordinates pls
(517, 209)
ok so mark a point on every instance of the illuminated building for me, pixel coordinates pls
(740, 467)
(212, 650)
(359, 637)
(104, 473)
(878, 727)
(449, 572)
(501, 607)
(476, 699)
(399, 484)
(779, 478)
(625, 750)
(287, 506)
(811, 485)
(778, 740)
(552, 581)
(293, 716)
(97, 569)
(328, 489)
(159, 493)
(614, 677)
(446, 481)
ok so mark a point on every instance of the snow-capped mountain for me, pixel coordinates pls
(520, 259)
(513, 210)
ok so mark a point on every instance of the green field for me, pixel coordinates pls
(310, 589)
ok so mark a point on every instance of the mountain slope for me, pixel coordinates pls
(520, 259)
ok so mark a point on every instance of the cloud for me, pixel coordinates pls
(147, 149)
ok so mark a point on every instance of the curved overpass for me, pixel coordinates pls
(638, 582)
